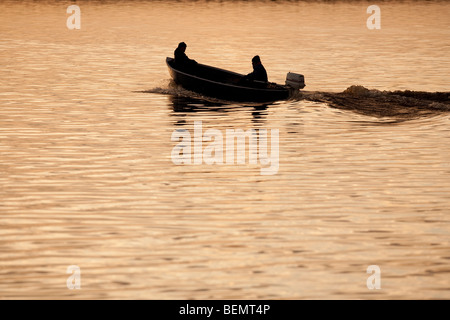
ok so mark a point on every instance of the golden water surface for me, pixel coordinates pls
(87, 179)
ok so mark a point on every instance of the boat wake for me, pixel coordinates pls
(399, 104)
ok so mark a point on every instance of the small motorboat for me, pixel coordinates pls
(232, 86)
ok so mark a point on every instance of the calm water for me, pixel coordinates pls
(86, 118)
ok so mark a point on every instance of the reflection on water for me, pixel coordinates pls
(182, 105)
(87, 179)
(188, 104)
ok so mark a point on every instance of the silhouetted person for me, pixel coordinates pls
(181, 59)
(259, 72)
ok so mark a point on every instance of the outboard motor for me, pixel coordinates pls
(295, 81)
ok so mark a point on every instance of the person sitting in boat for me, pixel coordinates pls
(259, 72)
(181, 59)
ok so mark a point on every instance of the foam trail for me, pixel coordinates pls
(402, 104)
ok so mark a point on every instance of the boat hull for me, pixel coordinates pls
(226, 85)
